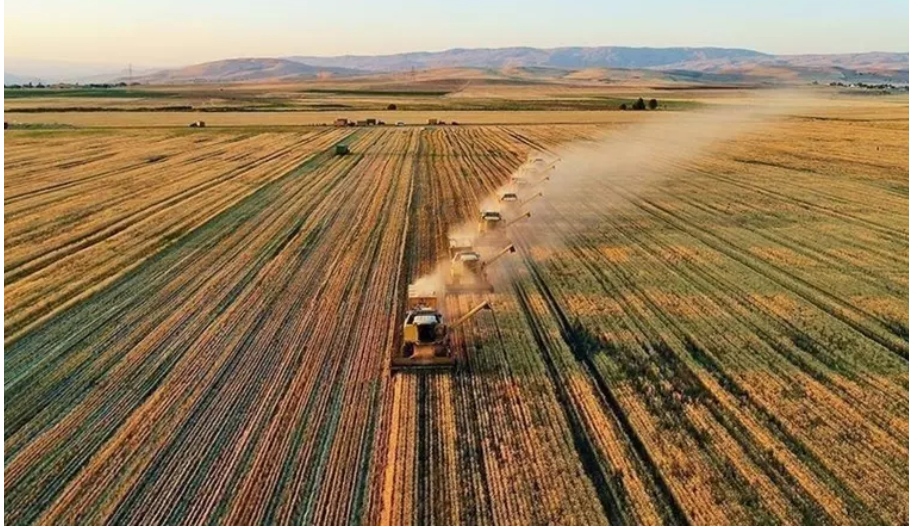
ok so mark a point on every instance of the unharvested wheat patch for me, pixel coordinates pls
(617, 254)
(852, 256)
(782, 256)
(889, 307)
(687, 254)
(542, 253)
(679, 306)
(592, 304)
(780, 304)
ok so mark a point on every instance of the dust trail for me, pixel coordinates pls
(636, 159)
(434, 282)
(599, 173)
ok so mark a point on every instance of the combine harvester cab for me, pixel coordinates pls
(459, 245)
(466, 275)
(426, 344)
(513, 203)
(468, 272)
(519, 182)
(535, 172)
(492, 228)
(491, 221)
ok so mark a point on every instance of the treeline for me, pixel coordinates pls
(867, 86)
(640, 105)
(66, 85)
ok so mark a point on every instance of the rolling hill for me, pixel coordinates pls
(244, 69)
(523, 64)
(571, 58)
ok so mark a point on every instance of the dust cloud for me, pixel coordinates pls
(593, 177)
(434, 282)
(590, 178)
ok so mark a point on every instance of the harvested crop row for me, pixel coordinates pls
(638, 273)
(205, 360)
(100, 238)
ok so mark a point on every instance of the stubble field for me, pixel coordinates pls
(198, 324)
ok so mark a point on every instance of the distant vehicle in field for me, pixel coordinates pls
(197, 124)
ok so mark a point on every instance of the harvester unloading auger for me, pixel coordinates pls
(426, 339)
(529, 199)
(468, 273)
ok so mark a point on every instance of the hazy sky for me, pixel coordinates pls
(175, 32)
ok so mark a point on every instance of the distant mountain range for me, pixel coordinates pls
(702, 64)
(571, 58)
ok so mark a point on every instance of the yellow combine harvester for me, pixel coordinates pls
(492, 221)
(426, 342)
(468, 273)
(459, 245)
(533, 175)
(516, 205)
(539, 164)
(491, 228)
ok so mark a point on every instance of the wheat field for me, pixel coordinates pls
(198, 322)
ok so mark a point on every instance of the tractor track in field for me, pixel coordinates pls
(824, 300)
(607, 496)
(726, 381)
